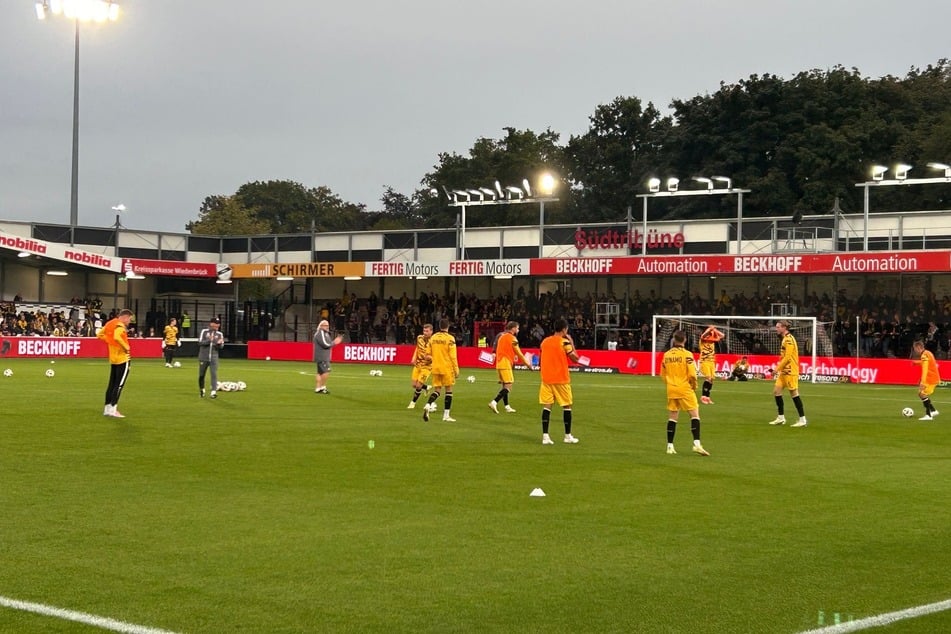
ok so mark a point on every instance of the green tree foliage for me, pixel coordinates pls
(290, 207)
(519, 155)
(225, 215)
(618, 152)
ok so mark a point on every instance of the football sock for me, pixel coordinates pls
(505, 395)
(798, 403)
(416, 395)
(671, 430)
(780, 408)
(432, 398)
(546, 418)
(707, 385)
(566, 416)
(695, 428)
(928, 406)
(448, 402)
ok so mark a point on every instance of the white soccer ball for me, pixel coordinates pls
(49, 373)
(267, 358)
(908, 412)
(242, 386)
(8, 372)
(470, 379)
(177, 364)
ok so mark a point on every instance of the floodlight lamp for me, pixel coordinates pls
(724, 179)
(488, 192)
(119, 207)
(673, 184)
(41, 9)
(547, 184)
(515, 192)
(901, 171)
(56, 7)
(457, 194)
(527, 187)
(653, 185)
(498, 190)
(941, 166)
(703, 179)
(878, 172)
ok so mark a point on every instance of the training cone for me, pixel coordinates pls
(536, 493)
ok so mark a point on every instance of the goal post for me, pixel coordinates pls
(745, 335)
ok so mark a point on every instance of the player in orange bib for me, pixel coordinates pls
(930, 378)
(555, 353)
(506, 351)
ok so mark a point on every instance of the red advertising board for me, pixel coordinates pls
(828, 369)
(836, 264)
(64, 347)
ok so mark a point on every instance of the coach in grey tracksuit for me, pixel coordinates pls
(323, 342)
(210, 341)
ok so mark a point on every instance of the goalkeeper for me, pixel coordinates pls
(708, 361)
(740, 370)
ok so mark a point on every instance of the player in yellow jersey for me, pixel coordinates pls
(787, 376)
(422, 364)
(708, 361)
(680, 375)
(445, 370)
(554, 355)
(170, 341)
(506, 351)
(930, 378)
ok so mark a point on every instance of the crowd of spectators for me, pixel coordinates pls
(80, 319)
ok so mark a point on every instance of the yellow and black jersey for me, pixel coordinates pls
(422, 356)
(788, 356)
(708, 351)
(679, 372)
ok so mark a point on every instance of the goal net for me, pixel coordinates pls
(745, 335)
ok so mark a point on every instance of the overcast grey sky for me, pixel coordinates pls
(182, 99)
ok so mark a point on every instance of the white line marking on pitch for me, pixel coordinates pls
(80, 617)
(882, 619)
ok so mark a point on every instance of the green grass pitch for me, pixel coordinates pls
(268, 511)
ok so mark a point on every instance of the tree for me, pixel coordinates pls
(520, 155)
(225, 215)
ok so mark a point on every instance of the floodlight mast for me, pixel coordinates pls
(503, 195)
(900, 173)
(673, 189)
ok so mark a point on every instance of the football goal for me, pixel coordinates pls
(745, 335)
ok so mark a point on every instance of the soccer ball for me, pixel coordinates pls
(908, 412)
(267, 358)
(8, 372)
(50, 374)
(376, 372)
(177, 364)
(242, 386)
(470, 379)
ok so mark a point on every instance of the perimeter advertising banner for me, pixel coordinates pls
(169, 268)
(296, 269)
(837, 264)
(61, 252)
(828, 370)
(78, 347)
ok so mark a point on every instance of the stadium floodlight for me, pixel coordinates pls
(673, 189)
(497, 194)
(901, 178)
(515, 191)
(78, 11)
(941, 167)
